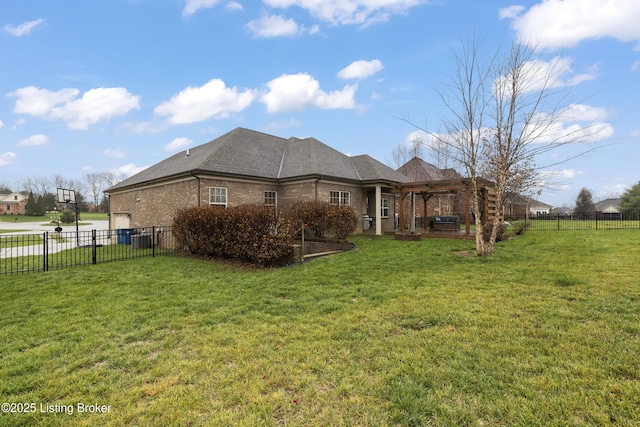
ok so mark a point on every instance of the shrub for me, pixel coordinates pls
(67, 216)
(323, 219)
(251, 233)
(521, 228)
(500, 235)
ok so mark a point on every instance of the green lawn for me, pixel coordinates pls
(547, 332)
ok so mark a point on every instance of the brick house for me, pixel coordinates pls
(245, 166)
(12, 203)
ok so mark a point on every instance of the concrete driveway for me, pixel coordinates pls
(42, 226)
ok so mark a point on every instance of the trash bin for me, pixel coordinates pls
(140, 241)
(123, 235)
(366, 222)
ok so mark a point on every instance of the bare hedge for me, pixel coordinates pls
(257, 234)
(324, 220)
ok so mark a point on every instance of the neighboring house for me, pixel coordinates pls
(518, 205)
(12, 203)
(245, 166)
(608, 209)
(562, 211)
(608, 206)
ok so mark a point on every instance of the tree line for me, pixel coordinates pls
(89, 191)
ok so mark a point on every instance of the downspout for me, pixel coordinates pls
(198, 189)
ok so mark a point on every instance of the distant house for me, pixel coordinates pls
(608, 209)
(244, 166)
(518, 205)
(562, 211)
(608, 206)
(12, 203)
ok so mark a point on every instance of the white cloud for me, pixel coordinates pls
(22, 29)
(360, 69)
(539, 75)
(562, 132)
(94, 106)
(581, 112)
(292, 92)
(510, 11)
(115, 153)
(128, 170)
(234, 6)
(193, 6)
(635, 66)
(177, 144)
(7, 158)
(34, 140)
(196, 104)
(556, 24)
(345, 12)
(274, 26)
(635, 133)
(1, 124)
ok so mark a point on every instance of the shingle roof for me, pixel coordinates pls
(419, 170)
(608, 204)
(249, 153)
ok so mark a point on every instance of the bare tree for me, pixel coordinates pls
(36, 185)
(95, 182)
(506, 111)
(405, 152)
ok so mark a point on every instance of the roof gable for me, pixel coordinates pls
(419, 170)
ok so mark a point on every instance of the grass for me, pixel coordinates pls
(546, 332)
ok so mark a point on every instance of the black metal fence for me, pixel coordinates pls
(21, 253)
(583, 221)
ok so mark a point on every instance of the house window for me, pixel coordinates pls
(270, 198)
(384, 208)
(8, 207)
(218, 196)
(340, 198)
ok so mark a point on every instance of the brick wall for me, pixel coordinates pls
(158, 204)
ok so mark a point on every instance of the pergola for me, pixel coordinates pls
(428, 189)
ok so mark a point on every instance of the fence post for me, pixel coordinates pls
(558, 221)
(45, 255)
(153, 241)
(94, 258)
(596, 220)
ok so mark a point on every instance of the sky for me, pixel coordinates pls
(119, 85)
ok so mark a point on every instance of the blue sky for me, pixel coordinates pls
(118, 85)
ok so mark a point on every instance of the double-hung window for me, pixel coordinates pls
(270, 198)
(340, 198)
(218, 196)
(384, 208)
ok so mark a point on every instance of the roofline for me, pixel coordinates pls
(193, 172)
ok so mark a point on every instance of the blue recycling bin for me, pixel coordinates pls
(123, 236)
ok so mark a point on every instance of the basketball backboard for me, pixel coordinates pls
(66, 196)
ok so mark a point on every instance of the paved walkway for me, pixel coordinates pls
(67, 239)
(42, 226)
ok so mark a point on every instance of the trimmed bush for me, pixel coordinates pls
(324, 220)
(67, 216)
(250, 233)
